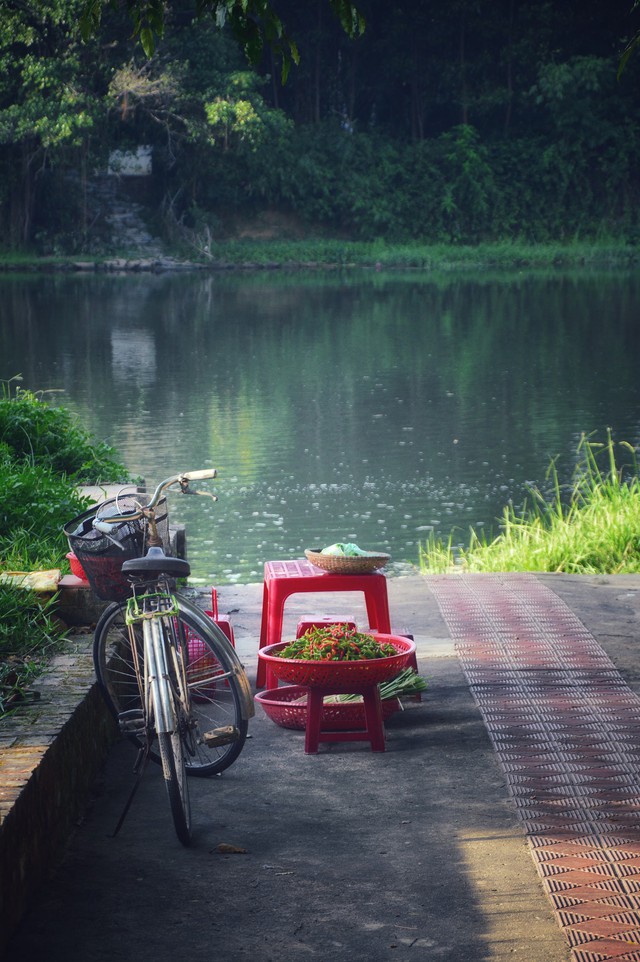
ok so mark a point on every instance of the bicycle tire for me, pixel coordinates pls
(165, 714)
(216, 692)
(175, 780)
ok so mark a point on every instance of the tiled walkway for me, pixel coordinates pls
(566, 730)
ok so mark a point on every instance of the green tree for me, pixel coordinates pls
(592, 138)
(365, 136)
(238, 115)
(254, 23)
(203, 112)
(47, 105)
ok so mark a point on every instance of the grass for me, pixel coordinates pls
(41, 634)
(593, 530)
(332, 252)
(380, 254)
(44, 456)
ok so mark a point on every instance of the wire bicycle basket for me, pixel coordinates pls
(102, 555)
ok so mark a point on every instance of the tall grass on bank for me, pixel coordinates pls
(45, 455)
(595, 529)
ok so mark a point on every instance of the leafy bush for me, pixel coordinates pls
(32, 430)
(36, 503)
(464, 185)
(44, 456)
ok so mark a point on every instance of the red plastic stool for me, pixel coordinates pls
(373, 733)
(285, 578)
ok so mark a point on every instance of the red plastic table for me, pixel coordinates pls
(285, 578)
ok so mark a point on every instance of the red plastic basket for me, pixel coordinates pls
(287, 707)
(202, 668)
(321, 674)
(76, 567)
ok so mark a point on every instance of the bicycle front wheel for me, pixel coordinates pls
(173, 769)
(165, 715)
(216, 693)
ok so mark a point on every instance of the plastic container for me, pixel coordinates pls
(323, 674)
(287, 707)
(76, 567)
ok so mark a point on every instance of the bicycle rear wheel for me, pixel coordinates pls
(167, 710)
(212, 673)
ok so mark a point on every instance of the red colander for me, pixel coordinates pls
(321, 674)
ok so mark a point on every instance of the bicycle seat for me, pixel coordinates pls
(156, 562)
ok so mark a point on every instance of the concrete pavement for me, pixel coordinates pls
(416, 853)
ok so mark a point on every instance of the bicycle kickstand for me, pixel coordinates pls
(138, 768)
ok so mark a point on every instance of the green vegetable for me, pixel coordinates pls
(336, 642)
(408, 682)
(348, 550)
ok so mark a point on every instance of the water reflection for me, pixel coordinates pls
(133, 356)
(368, 408)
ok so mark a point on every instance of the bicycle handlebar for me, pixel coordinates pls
(181, 479)
(202, 475)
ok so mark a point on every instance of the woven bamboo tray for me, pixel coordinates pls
(340, 564)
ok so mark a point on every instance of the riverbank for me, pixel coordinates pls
(273, 254)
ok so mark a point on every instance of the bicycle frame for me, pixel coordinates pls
(166, 642)
(157, 610)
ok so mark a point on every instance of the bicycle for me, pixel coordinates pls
(168, 673)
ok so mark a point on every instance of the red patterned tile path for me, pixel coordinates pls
(566, 729)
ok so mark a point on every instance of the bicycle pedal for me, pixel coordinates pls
(131, 722)
(220, 736)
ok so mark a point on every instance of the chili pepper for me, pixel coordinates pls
(336, 642)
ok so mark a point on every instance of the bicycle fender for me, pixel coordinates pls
(205, 624)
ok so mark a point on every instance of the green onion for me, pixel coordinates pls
(408, 682)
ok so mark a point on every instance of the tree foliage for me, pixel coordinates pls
(47, 104)
(254, 23)
(455, 122)
(34, 432)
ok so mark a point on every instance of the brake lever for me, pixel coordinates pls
(185, 489)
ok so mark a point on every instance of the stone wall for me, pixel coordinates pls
(52, 746)
(51, 749)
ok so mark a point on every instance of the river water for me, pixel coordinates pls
(368, 407)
